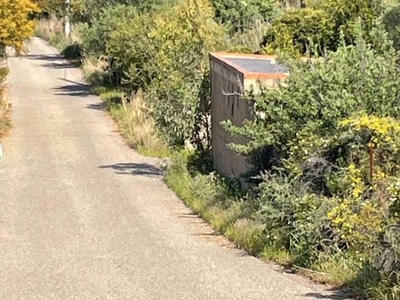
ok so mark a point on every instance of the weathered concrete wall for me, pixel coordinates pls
(225, 79)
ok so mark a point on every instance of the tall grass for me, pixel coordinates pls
(135, 123)
(47, 28)
(96, 73)
(216, 202)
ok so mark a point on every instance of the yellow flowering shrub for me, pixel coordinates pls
(15, 25)
(359, 164)
(368, 181)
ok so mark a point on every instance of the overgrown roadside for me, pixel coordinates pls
(5, 123)
(218, 201)
(135, 124)
(327, 204)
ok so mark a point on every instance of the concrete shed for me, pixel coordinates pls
(231, 73)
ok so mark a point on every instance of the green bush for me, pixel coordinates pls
(73, 51)
(241, 15)
(221, 218)
(96, 73)
(301, 31)
(319, 94)
(51, 30)
(95, 36)
(250, 40)
(391, 19)
(248, 234)
(88, 11)
(112, 98)
(166, 53)
(294, 218)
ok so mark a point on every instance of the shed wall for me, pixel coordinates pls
(225, 79)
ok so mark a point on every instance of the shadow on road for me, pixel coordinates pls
(49, 57)
(98, 106)
(136, 169)
(339, 295)
(59, 65)
(190, 215)
(73, 88)
(52, 61)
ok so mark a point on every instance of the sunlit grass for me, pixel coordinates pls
(135, 123)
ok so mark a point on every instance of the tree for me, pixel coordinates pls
(321, 25)
(165, 53)
(15, 24)
(391, 19)
(239, 15)
(89, 10)
(54, 7)
(345, 15)
(299, 31)
(95, 36)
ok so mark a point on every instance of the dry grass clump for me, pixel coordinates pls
(135, 123)
(46, 28)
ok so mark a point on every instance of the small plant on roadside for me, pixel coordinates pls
(4, 106)
(248, 234)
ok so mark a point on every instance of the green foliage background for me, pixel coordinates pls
(320, 26)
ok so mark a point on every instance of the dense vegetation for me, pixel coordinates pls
(15, 28)
(332, 195)
(319, 26)
(327, 202)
